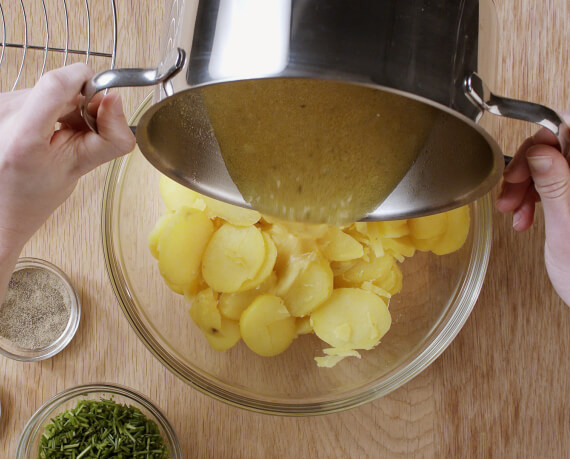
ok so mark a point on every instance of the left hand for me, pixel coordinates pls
(40, 164)
(539, 172)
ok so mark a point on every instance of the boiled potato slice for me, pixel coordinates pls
(456, 232)
(220, 332)
(234, 255)
(266, 326)
(156, 232)
(336, 245)
(194, 287)
(175, 288)
(226, 337)
(176, 196)
(374, 288)
(232, 305)
(235, 215)
(204, 311)
(351, 318)
(287, 245)
(400, 247)
(181, 245)
(267, 266)
(363, 270)
(424, 245)
(334, 355)
(306, 283)
(368, 234)
(392, 229)
(428, 227)
(303, 325)
(340, 267)
(391, 281)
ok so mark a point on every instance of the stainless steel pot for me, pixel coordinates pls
(439, 52)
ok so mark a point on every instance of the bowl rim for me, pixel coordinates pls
(447, 327)
(35, 355)
(45, 410)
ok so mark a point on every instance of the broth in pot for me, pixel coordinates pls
(314, 150)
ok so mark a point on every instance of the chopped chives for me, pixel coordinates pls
(102, 429)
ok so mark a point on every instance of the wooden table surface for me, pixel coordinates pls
(499, 390)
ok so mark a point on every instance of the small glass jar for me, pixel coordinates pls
(28, 445)
(17, 352)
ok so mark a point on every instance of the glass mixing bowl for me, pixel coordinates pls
(438, 295)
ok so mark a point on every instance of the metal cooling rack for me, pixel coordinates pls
(46, 47)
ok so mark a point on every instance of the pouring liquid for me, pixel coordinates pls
(312, 150)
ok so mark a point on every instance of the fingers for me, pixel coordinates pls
(551, 176)
(517, 179)
(74, 120)
(512, 195)
(544, 137)
(517, 171)
(524, 213)
(113, 140)
(54, 96)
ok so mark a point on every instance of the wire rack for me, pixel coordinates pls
(33, 30)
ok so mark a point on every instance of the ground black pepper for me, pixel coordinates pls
(36, 309)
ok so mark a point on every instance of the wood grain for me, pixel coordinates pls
(499, 390)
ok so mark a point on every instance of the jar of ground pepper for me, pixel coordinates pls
(40, 313)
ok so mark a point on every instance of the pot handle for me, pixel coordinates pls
(479, 94)
(117, 78)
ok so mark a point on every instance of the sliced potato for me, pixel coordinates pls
(370, 270)
(204, 311)
(220, 332)
(334, 355)
(336, 245)
(287, 245)
(226, 337)
(456, 233)
(424, 245)
(194, 287)
(232, 305)
(340, 267)
(428, 227)
(266, 326)
(175, 288)
(176, 196)
(351, 318)
(181, 245)
(392, 229)
(368, 234)
(306, 283)
(234, 255)
(235, 215)
(267, 266)
(156, 232)
(374, 288)
(303, 325)
(400, 247)
(391, 281)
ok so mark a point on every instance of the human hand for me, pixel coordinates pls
(39, 164)
(539, 172)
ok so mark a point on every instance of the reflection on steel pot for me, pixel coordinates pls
(437, 52)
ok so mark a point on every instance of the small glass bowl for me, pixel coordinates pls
(29, 441)
(13, 351)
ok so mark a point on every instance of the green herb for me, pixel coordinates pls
(102, 429)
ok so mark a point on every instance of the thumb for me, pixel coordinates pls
(114, 138)
(551, 176)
